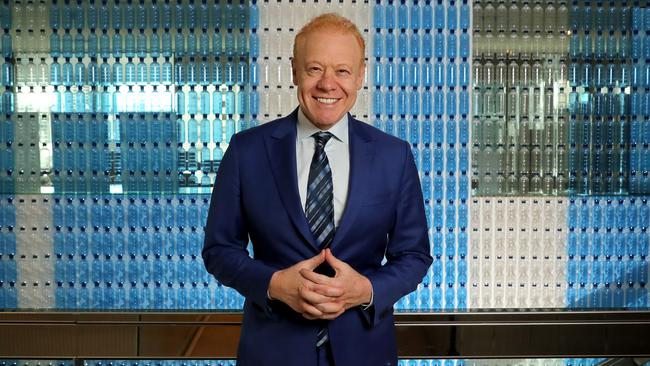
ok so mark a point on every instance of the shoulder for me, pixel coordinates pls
(260, 132)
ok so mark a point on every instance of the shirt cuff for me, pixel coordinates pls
(372, 300)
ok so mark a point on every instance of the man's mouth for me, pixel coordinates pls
(327, 100)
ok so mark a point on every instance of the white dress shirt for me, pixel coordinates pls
(337, 150)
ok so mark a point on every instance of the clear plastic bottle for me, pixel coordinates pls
(501, 14)
(526, 17)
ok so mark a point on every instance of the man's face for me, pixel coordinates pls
(328, 70)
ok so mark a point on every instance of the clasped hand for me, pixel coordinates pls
(317, 296)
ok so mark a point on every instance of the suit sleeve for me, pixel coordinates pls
(407, 252)
(226, 237)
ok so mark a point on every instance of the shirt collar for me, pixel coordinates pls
(306, 129)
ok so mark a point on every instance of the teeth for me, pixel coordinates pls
(326, 100)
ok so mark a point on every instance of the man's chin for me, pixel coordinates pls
(323, 126)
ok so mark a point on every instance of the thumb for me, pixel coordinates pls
(314, 261)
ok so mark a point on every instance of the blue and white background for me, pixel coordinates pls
(114, 118)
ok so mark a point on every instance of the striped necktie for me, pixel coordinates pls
(319, 207)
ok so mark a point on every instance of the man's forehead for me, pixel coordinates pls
(351, 40)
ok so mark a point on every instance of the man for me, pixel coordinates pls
(323, 198)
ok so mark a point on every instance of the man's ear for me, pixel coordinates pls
(362, 75)
(294, 72)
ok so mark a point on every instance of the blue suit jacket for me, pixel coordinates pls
(256, 197)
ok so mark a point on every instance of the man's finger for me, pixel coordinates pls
(314, 261)
(310, 309)
(314, 297)
(326, 290)
(328, 308)
(317, 278)
(332, 316)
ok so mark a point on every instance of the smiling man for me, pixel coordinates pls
(333, 208)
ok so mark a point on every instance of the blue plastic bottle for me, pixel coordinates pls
(154, 45)
(129, 44)
(55, 45)
(104, 45)
(116, 16)
(116, 45)
(166, 47)
(141, 76)
(118, 73)
(154, 73)
(166, 72)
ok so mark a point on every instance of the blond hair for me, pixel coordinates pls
(330, 21)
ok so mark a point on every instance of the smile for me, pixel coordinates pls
(326, 100)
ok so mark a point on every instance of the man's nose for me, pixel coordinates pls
(327, 81)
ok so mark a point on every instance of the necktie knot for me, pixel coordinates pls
(322, 138)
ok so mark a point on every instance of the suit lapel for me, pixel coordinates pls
(361, 159)
(281, 150)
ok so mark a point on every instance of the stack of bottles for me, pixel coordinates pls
(6, 60)
(82, 160)
(519, 127)
(517, 253)
(211, 92)
(137, 97)
(7, 178)
(8, 268)
(607, 249)
(639, 140)
(599, 78)
(420, 94)
(148, 153)
(30, 55)
(133, 252)
(186, 57)
(26, 153)
(7, 182)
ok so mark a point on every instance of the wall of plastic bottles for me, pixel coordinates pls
(115, 116)
(420, 75)
(526, 118)
(553, 116)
